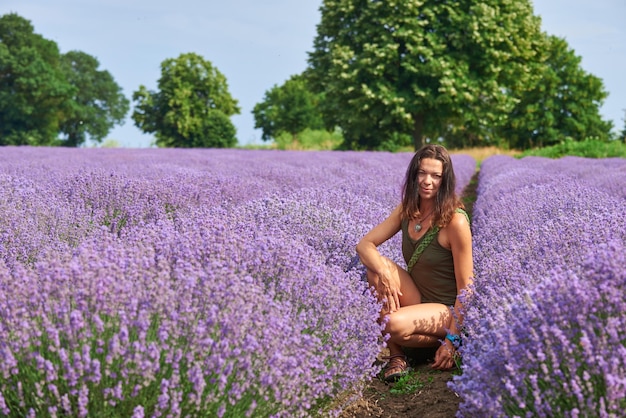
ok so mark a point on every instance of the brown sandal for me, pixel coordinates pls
(396, 367)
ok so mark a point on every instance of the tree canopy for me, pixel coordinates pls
(45, 94)
(564, 102)
(191, 108)
(290, 108)
(457, 70)
(33, 88)
(97, 102)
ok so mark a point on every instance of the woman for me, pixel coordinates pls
(421, 304)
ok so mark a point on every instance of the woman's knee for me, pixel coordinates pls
(395, 325)
(405, 335)
(422, 319)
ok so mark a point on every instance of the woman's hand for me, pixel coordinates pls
(445, 356)
(383, 277)
(389, 287)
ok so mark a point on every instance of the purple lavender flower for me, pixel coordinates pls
(220, 272)
(548, 299)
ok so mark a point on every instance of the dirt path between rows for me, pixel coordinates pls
(425, 396)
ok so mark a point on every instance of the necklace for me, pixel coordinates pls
(418, 226)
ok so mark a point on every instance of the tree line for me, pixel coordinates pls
(385, 75)
(54, 99)
(49, 98)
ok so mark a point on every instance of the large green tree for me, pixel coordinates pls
(191, 108)
(416, 66)
(34, 91)
(97, 103)
(289, 108)
(49, 98)
(563, 102)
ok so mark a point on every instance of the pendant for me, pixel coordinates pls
(417, 227)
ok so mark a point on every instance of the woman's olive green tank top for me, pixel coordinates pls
(433, 273)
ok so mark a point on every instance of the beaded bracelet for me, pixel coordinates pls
(455, 339)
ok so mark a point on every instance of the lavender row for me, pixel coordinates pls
(545, 321)
(186, 282)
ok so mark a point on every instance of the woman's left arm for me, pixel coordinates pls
(460, 238)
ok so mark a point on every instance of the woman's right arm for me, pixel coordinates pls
(388, 283)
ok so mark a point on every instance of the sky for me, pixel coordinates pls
(260, 44)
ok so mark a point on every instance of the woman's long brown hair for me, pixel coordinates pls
(446, 200)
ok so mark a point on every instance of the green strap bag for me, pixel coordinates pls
(428, 238)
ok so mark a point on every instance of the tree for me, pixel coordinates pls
(33, 88)
(622, 135)
(290, 108)
(191, 108)
(564, 102)
(219, 132)
(415, 67)
(97, 103)
(44, 93)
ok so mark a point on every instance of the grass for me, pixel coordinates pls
(480, 153)
(590, 148)
(469, 194)
(410, 383)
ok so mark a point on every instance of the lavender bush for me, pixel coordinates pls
(545, 321)
(188, 282)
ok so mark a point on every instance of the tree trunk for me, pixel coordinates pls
(418, 131)
(72, 139)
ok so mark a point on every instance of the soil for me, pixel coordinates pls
(432, 399)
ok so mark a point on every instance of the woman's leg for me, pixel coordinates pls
(411, 296)
(421, 325)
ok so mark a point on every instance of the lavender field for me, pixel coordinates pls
(188, 282)
(213, 283)
(546, 322)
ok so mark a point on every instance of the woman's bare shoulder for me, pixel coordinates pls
(459, 221)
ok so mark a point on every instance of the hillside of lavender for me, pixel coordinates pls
(545, 324)
(189, 282)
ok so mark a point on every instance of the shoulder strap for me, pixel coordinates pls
(459, 210)
(428, 238)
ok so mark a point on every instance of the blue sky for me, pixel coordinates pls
(259, 44)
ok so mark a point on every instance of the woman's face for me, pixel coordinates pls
(429, 177)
